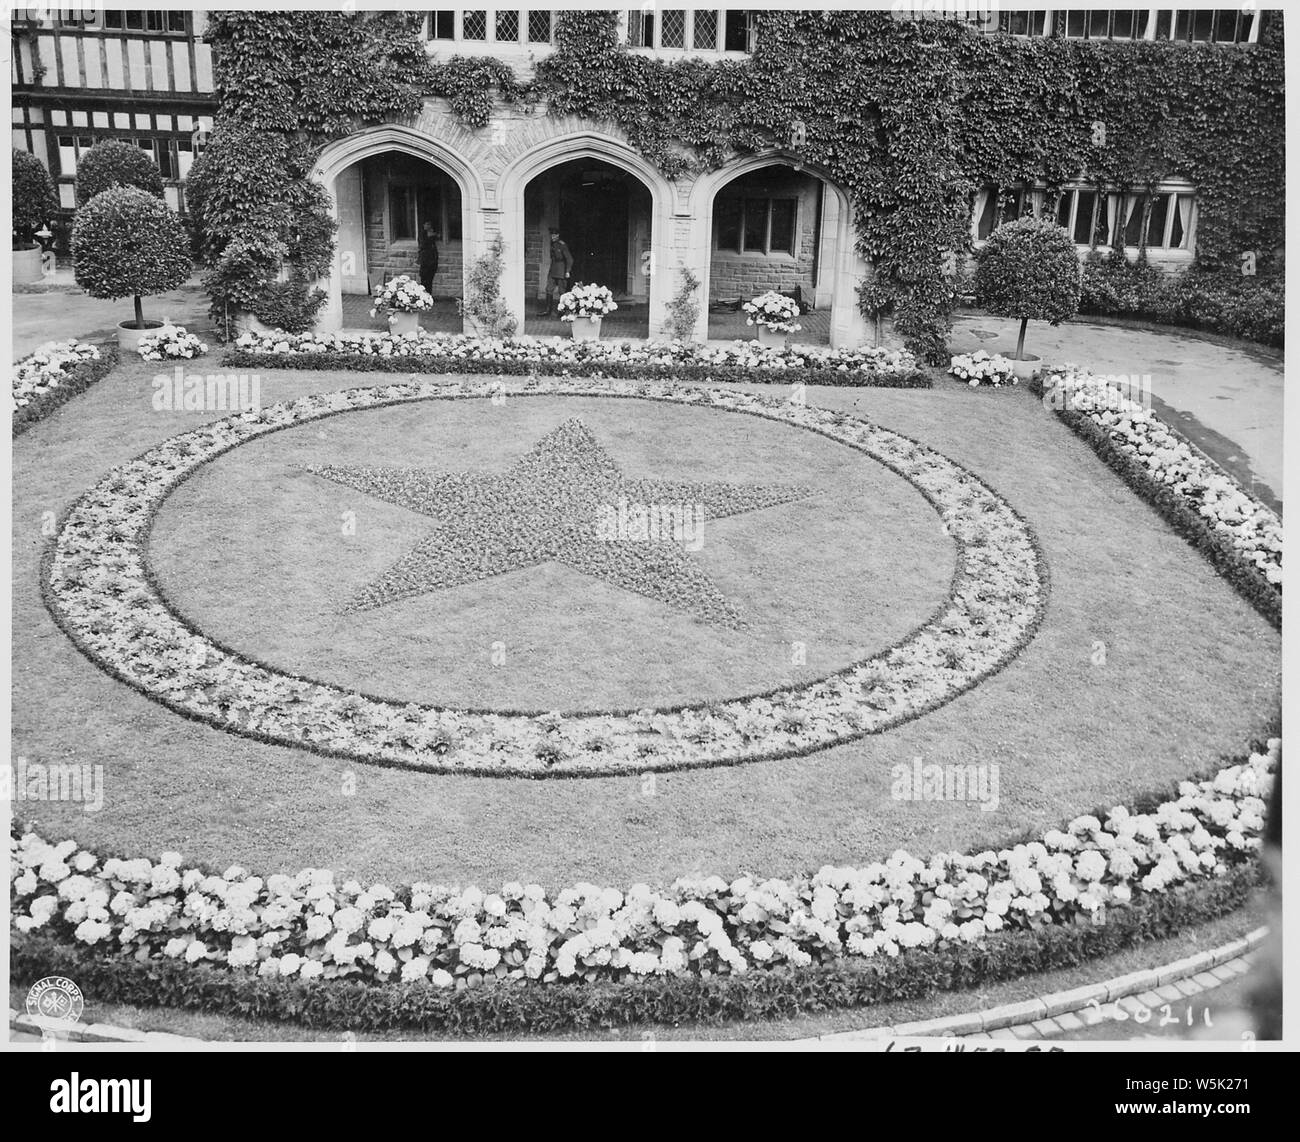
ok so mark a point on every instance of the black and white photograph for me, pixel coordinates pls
(654, 529)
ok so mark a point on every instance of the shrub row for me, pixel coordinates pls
(75, 379)
(512, 1008)
(1177, 511)
(1226, 302)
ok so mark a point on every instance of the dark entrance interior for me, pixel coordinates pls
(604, 215)
(593, 219)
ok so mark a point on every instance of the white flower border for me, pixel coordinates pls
(46, 368)
(98, 587)
(1253, 530)
(308, 926)
(558, 352)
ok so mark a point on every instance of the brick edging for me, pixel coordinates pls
(1024, 1014)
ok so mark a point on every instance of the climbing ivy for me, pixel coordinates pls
(908, 117)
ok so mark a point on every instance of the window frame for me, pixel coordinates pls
(1172, 189)
(741, 249)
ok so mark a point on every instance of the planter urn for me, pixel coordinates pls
(585, 328)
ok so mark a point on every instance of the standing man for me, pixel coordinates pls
(428, 256)
(561, 267)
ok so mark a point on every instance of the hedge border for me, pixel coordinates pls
(1245, 579)
(778, 993)
(74, 382)
(440, 365)
(1042, 570)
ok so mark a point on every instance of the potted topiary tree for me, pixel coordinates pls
(35, 203)
(113, 163)
(1028, 269)
(127, 243)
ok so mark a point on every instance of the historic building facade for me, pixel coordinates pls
(764, 221)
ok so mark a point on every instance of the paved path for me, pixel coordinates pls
(62, 313)
(1229, 400)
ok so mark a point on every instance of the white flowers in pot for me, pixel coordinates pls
(774, 311)
(983, 368)
(402, 294)
(594, 301)
(171, 343)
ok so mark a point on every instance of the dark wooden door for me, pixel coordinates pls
(594, 221)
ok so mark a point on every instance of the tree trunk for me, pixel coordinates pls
(1020, 343)
(880, 329)
(139, 313)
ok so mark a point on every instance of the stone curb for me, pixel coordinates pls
(21, 1023)
(1032, 1018)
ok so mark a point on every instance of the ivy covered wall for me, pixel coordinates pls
(908, 117)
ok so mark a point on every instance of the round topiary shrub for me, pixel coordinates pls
(112, 163)
(127, 243)
(35, 202)
(1029, 269)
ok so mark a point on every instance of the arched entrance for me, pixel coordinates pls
(384, 183)
(617, 211)
(605, 217)
(769, 222)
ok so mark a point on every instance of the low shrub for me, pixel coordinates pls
(1226, 302)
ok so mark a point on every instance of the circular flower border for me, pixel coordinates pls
(97, 585)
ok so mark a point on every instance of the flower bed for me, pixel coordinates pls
(983, 368)
(783, 992)
(630, 360)
(98, 586)
(1239, 535)
(173, 343)
(308, 926)
(53, 375)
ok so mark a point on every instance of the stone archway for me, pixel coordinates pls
(841, 267)
(563, 149)
(337, 164)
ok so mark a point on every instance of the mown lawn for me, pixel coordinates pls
(1147, 668)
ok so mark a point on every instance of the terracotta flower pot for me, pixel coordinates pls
(772, 338)
(402, 322)
(129, 337)
(585, 328)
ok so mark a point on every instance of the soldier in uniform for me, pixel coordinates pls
(428, 256)
(557, 277)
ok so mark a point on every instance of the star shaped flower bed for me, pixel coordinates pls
(98, 586)
(549, 507)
